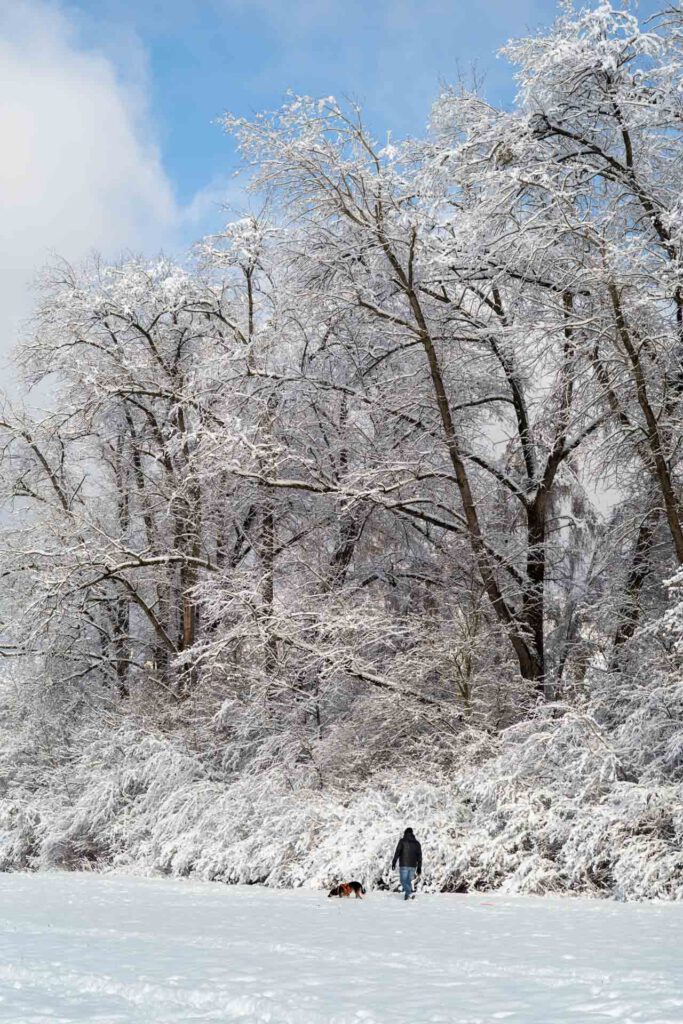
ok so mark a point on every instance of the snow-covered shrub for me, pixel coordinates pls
(579, 797)
(541, 808)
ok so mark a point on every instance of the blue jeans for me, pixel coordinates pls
(407, 876)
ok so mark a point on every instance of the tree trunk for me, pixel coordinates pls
(653, 433)
(629, 613)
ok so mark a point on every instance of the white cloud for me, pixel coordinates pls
(223, 199)
(80, 169)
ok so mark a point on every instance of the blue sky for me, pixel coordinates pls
(108, 108)
(199, 59)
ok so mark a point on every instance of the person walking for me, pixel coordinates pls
(409, 857)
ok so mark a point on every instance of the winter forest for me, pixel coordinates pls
(370, 512)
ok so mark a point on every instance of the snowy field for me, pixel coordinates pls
(77, 948)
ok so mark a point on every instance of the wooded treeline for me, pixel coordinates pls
(395, 467)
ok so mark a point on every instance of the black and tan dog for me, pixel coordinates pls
(348, 889)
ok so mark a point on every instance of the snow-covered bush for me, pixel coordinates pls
(541, 808)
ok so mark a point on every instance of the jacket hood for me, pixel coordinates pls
(408, 834)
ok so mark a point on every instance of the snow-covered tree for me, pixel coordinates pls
(369, 509)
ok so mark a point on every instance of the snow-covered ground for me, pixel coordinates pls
(110, 949)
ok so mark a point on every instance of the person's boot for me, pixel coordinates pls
(406, 896)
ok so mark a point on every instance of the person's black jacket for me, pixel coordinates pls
(408, 852)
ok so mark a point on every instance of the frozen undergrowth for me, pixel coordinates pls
(532, 818)
(583, 798)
